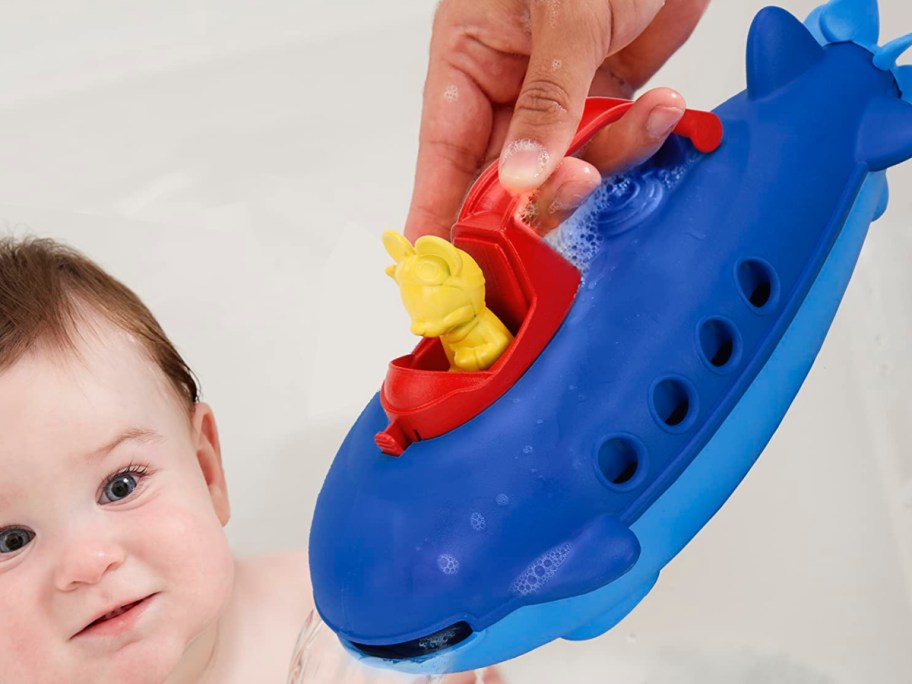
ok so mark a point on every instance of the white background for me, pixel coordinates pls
(235, 162)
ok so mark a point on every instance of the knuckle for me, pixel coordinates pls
(543, 101)
(458, 156)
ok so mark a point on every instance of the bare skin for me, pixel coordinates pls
(259, 627)
(508, 79)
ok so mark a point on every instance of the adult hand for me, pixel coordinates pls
(508, 79)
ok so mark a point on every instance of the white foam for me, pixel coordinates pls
(620, 199)
(543, 568)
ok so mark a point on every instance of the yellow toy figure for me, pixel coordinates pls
(443, 292)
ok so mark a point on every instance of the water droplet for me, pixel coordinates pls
(502, 499)
(479, 524)
(527, 449)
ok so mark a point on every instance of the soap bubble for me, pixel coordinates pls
(578, 243)
(543, 568)
(448, 564)
(617, 205)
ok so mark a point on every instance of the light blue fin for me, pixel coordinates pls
(812, 24)
(779, 49)
(882, 202)
(605, 622)
(903, 76)
(850, 20)
(885, 57)
(885, 136)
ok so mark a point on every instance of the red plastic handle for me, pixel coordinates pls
(703, 129)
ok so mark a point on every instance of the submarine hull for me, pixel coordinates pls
(712, 284)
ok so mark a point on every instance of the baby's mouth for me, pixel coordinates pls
(115, 613)
(112, 615)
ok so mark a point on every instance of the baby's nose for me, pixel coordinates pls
(86, 562)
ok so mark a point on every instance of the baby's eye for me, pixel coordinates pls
(13, 539)
(123, 483)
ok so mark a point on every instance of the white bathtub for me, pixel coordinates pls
(235, 163)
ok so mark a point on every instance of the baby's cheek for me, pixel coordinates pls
(187, 546)
(26, 653)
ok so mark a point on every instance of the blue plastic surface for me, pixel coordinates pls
(690, 335)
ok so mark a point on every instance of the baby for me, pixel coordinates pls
(113, 498)
(114, 565)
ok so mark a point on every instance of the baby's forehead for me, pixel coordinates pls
(105, 382)
(101, 349)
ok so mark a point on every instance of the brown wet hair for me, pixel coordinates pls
(46, 289)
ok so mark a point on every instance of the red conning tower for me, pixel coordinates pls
(528, 285)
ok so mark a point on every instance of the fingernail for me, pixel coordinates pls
(662, 119)
(522, 164)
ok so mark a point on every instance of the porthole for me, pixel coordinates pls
(621, 460)
(758, 284)
(674, 403)
(719, 342)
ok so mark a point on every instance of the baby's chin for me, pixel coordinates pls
(176, 647)
(167, 657)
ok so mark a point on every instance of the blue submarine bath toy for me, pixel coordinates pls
(470, 517)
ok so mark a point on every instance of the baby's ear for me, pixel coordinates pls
(397, 246)
(438, 247)
(209, 456)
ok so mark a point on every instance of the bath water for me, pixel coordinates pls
(319, 658)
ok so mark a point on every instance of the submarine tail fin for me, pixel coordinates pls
(617, 613)
(779, 49)
(845, 20)
(885, 136)
(885, 56)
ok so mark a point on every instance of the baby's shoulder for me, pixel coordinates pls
(274, 603)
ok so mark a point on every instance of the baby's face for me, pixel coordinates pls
(76, 539)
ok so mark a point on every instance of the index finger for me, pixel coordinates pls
(456, 120)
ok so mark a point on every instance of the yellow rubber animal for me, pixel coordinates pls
(443, 291)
